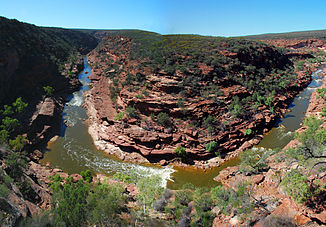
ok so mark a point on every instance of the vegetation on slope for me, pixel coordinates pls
(304, 165)
(85, 203)
(31, 55)
(212, 85)
(321, 34)
(32, 42)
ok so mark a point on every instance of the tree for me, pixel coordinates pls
(7, 110)
(4, 136)
(296, 185)
(70, 203)
(15, 164)
(48, 90)
(150, 190)
(18, 143)
(311, 150)
(19, 105)
(9, 124)
(105, 202)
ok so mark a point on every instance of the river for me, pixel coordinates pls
(74, 150)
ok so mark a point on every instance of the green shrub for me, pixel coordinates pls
(253, 161)
(139, 96)
(55, 183)
(300, 65)
(15, 164)
(202, 199)
(145, 92)
(210, 129)
(323, 113)
(269, 100)
(114, 93)
(180, 151)
(18, 143)
(19, 105)
(87, 175)
(71, 203)
(4, 191)
(5, 184)
(9, 124)
(149, 189)
(129, 79)
(140, 77)
(229, 200)
(203, 207)
(210, 121)
(183, 197)
(181, 103)
(152, 116)
(296, 186)
(4, 136)
(211, 147)
(25, 188)
(70, 74)
(131, 112)
(237, 110)
(124, 177)
(163, 119)
(119, 116)
(248, 132)
(83, 204)
(312, 142)
(48, 90)
(105, 203)
(7, 110)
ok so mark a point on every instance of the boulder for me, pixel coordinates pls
(47, 108)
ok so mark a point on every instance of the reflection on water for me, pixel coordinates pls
(74, 151)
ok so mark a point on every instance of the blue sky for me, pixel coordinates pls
(205, 17)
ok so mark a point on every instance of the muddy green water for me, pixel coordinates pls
(74, 151)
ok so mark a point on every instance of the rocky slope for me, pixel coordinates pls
(302, 45)
(199, 96)
(33, 58)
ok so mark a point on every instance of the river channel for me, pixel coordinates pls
(74, 150)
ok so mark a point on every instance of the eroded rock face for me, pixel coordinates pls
(155, 142)
(301, 44)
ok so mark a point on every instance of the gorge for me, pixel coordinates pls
(131, 105)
